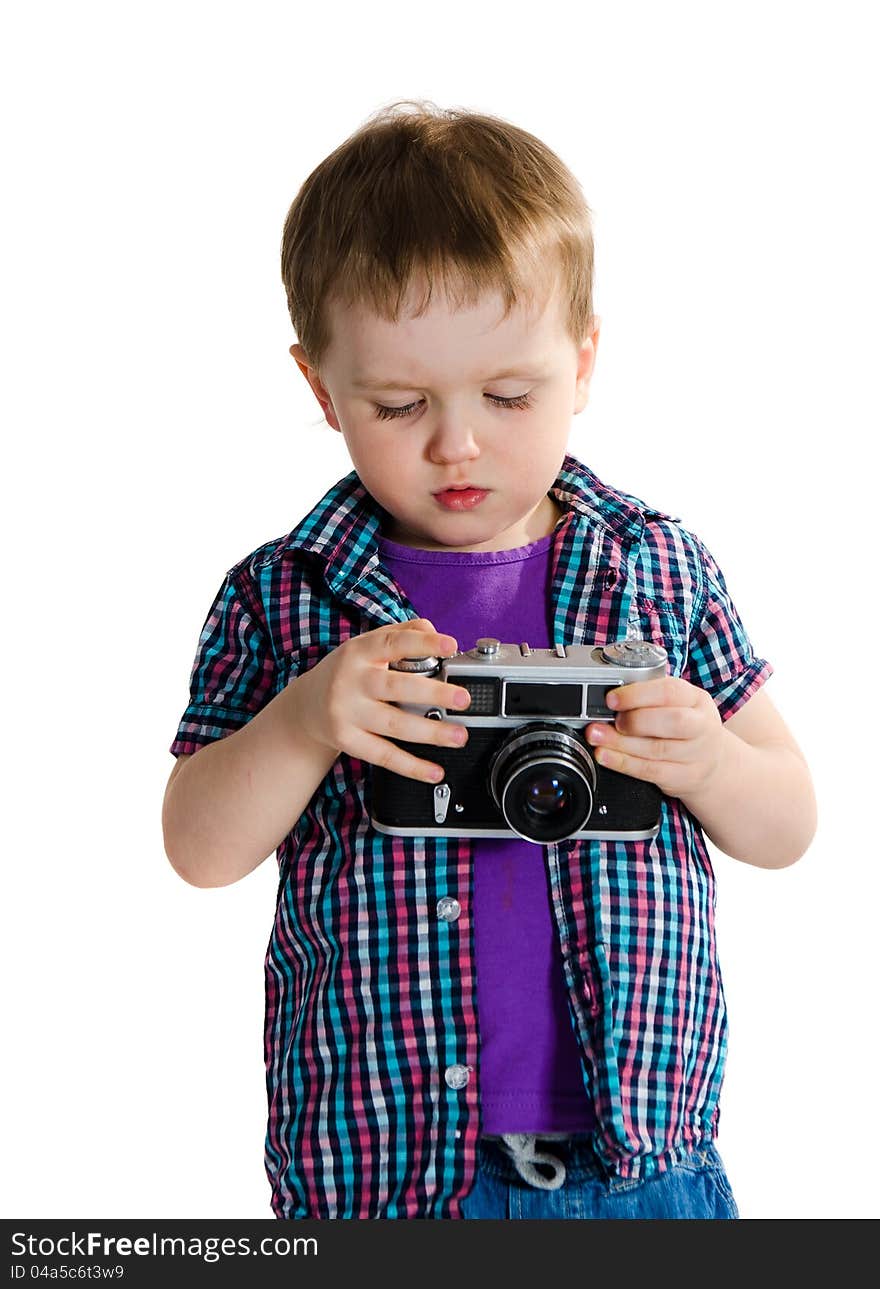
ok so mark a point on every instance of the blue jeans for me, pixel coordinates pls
(695, 1188)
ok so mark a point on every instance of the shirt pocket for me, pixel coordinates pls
(661, 622)
(297, 661)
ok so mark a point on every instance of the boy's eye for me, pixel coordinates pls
(522, 401)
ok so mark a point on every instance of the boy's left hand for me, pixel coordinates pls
(667, 731)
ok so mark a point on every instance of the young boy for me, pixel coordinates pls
(459, 1027)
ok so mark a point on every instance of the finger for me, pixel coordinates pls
(666, 691)
(408, 640)
(421, 624)
(607, 740)
(662, 773)
(422, 691)
(378, 751)
(654, 722)
(393, 722)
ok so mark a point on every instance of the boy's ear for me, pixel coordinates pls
(586, 364)
(321, 394)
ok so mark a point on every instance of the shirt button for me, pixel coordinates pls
(448, 908)
(457, 1075)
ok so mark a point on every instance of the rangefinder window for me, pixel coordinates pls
(596, 696)
(485, 692)
(530, 699)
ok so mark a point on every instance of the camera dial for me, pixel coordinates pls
(634, 653)
(417, 665)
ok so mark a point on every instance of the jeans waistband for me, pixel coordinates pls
(545, 1159)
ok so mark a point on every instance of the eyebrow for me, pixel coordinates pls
(530, 372)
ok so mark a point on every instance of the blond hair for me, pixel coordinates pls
(435, 194)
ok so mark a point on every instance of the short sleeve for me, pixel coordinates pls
(721, 658)
(233, 673)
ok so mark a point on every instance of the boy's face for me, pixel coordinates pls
(449, 370)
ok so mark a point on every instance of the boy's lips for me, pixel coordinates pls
(461, 497)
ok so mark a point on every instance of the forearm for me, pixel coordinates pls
(233, 803)
(760, 806)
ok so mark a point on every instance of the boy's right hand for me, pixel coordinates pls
(346, 703)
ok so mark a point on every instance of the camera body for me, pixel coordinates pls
(526, 769)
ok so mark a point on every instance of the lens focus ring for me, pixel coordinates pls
(543, 780)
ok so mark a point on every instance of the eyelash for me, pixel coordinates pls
(521, 402)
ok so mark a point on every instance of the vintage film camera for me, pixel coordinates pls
(526, 769)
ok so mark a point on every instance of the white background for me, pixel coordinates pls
(157, 430)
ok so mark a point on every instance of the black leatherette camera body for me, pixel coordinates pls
(526, 769)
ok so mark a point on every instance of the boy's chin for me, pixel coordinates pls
(402, 535)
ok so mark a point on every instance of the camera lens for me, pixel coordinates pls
(542, 779)
(545, 795)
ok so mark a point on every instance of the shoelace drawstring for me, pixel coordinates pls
(522, 1149)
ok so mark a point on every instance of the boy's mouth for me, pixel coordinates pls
(461, 497)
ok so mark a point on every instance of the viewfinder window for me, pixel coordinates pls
(529, 699)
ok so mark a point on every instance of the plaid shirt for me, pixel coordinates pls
(371, 1030)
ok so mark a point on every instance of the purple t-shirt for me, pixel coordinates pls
(530, 1066)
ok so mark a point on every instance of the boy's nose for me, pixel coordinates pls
(451, 444)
